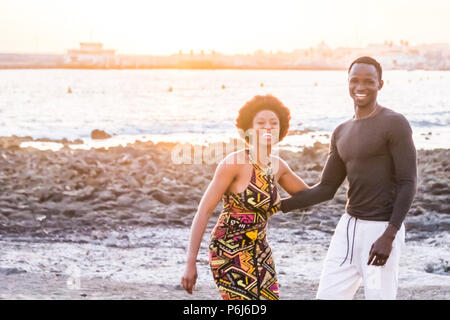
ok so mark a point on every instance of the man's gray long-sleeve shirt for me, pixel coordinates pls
(378, 157)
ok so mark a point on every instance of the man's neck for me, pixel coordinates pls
(366, 111)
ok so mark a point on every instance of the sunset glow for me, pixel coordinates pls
(165, 27)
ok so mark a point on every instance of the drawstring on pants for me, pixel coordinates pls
(353, 241)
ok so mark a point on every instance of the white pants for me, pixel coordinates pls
(346, 266)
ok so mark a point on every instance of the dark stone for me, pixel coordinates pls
(44, 195)
(70, 213)
(316, 167)
(161, 196)
(99, 134)
(10, 271)
(181, 199)
(57, 197)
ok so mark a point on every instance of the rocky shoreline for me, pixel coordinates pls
(52, 193)
(94, 224)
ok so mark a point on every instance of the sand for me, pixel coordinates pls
(147, 264)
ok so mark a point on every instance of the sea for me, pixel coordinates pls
(200, 106)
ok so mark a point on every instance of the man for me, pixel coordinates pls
(375, 151)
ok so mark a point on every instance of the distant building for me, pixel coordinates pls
(91, 54)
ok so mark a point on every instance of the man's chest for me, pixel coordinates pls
(362, 143)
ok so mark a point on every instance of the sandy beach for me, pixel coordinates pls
(114, 224)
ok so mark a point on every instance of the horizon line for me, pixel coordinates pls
(210, 51)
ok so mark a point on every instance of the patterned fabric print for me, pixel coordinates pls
(240, 256)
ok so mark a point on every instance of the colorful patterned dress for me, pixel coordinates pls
(240, 256)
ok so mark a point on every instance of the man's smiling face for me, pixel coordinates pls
(364, 84)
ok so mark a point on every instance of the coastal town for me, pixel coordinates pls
(93, 55)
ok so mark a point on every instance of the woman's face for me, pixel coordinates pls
(267, 127)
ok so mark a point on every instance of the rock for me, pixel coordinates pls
(11, 271)
(70, 213)
(125, 160)
(185, 210)
(75, 209)
(117, 188)
(439, 188)
(432, 206)
(132, 182)
(40, 218)
(21, 216)
(416, 211)
(161, 196)
(179, 222)
(99, 134)
(145, 204)
(86, 194)
(150, 167)
(109, 205)
(3, 219)
(124, 215)
(106, 195)
(43, 194)
(340, 199)
(181, 199)
(160, 215)
(316, 167)
(441, 267)
(422, 226)
(125, 201)
(80, 166)
(57, 197)
(197, 181)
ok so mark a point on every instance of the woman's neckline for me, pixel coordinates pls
(267, 169)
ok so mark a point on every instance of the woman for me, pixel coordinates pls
(240, 256)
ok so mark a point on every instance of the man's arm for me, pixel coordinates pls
(403, 152)
(332, 177)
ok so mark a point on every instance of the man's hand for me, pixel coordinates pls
(381, 249)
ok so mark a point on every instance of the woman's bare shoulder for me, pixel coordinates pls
(235, 158)
(233, 163)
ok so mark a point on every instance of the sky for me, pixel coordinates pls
(231, 26)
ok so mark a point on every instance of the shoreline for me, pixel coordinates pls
(295, 140)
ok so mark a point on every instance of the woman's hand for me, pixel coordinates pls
(189, 278)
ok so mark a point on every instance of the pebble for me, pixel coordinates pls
(11, 271)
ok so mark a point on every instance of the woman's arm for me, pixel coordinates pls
(289, 181)
(224, 175)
